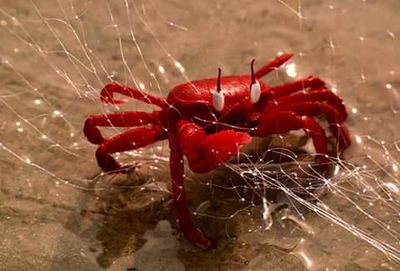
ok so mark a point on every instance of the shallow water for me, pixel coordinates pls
(58, 212)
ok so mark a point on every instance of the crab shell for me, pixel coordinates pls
(198, 96)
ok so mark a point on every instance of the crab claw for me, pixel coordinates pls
(222, 145)
(218, 148)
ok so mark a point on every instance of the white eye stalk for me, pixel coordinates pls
(255, 88)
(255, 92)
(218, 98)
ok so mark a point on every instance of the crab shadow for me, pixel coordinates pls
(131, 209)
(223, 204)
(131, 205)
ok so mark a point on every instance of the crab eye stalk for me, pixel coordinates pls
(255, 88)
(218, 98)
(255, 92)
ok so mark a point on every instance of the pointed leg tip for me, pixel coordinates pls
(91, 132)
(198, 238)
(105, 161)
(288, 55)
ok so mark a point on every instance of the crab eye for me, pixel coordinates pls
(218, 100)
(255, 91)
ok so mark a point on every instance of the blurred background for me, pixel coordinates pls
(59, 212)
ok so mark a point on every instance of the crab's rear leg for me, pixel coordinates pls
(334, 118)
(280, 122)
(128, 140)
(321, 95)
(123, 119)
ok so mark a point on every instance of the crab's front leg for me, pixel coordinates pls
(193, 234)
(204, 153)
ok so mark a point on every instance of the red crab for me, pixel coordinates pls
(208, 120)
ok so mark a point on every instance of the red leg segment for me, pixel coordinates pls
(108, 91)
(320, 95)
(334, 118)
(206, 152)
(193, 234)
(128, 140)
(285, 121)
(124, 119)
(273, 65)
(311, 82)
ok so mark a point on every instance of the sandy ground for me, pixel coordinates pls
(58, 213)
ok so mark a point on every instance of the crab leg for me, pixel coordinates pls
(193, 234)
(107, 95)
(124, 119)
(284, 121)
(334, 118)
(206, 152)
(273, 65)
(311, 82)
(320, 95)
(128, 140)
